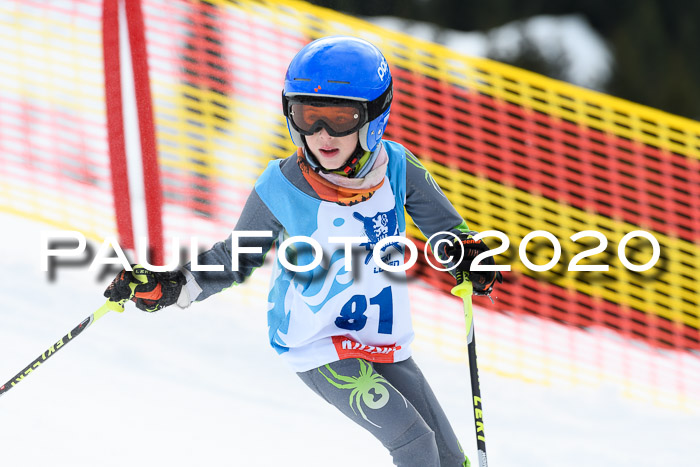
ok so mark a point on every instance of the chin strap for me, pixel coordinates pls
(353, 167)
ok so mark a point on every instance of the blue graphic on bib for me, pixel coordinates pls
(322, 285)
(277, 316)
(317, 287)
(377, 228)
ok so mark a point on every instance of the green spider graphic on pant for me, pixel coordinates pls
(395, 403)
(368, 388)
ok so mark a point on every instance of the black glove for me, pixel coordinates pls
(482, 281)
(151, 291)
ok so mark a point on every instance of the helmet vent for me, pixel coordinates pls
(302, 79)
(339, 82)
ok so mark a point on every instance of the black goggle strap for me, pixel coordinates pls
(379, 105)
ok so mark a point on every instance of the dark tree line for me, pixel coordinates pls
(655, 43)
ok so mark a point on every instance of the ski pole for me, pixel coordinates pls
(464, 290)
(99, 313)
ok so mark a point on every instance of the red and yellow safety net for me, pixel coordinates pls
(514, 151)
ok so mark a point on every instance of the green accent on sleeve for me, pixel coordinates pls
(463, 227)
(413, 160)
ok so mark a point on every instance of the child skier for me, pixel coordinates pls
(344, 328)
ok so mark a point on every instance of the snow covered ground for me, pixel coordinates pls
(203, 387)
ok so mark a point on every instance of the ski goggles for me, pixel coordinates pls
(340, 117)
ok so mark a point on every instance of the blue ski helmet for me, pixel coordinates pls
(342, 67)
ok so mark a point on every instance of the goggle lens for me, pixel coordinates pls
(339, 120)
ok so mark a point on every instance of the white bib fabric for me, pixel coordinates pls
(329, 313)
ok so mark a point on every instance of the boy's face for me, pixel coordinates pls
(332, 151)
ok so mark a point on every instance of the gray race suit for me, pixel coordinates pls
(394, 402)
(391, 400)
